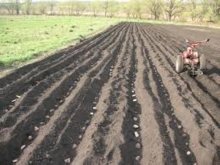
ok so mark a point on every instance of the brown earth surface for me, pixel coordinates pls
(115, 98)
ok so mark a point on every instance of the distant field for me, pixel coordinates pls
(24, 37)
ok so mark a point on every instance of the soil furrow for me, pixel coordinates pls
(151, 140)
(208, 107)
(56, 57)
(198, 137)
(28, 125)
(48, 107)
(31, 82)
(81, 116)
(209, 80)
(85, 151)
(106, 140)
(131, 150)
(114, 98)
(174, 123)
(42, 88)
(172, 51)
(169, 156)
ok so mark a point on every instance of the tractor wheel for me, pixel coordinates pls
(179, 64)
(202, 62)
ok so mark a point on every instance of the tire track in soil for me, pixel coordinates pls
(18, 88)
(16, 141)
(33, 95)
(166, 109)
(107, 138)
(186, 78)
(69, 140)
(207, 130)
(131, 150)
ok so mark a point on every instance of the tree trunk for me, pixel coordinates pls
(169, 16)
(155, 15)
(17, 7)
(94, 13)
(105, 12)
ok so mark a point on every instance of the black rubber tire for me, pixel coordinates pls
(202, 62)
(179, 64)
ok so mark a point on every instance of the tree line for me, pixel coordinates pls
(181, 10)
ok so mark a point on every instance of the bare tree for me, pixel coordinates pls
(17, 7)
(216, 7)
(127, 10)
(173, 8)
(8, 6)
(193, 9)
(74, 7)
(194, 3)
(105, 7)
(28, 6)
(42, 8)
(95, 7)
(108, 7)
(156, 8)
(199, 9)
(136, 7)
(79, 8)
(113, 8)
(51, 5)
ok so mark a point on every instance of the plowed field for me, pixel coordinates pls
(114, 98)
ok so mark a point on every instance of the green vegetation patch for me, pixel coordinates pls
(24, 37)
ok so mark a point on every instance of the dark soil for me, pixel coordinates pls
(114, 98)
